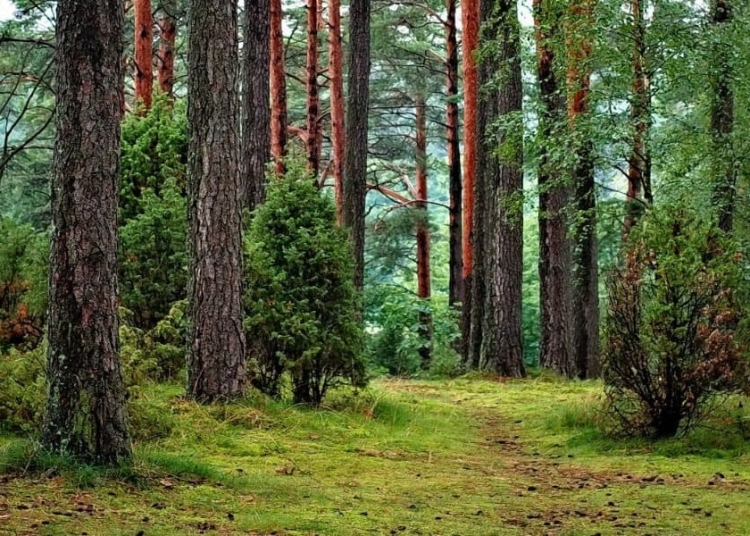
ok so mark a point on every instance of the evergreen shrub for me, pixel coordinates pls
(302, 311)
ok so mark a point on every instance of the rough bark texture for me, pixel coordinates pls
(586, 250)
(313, 107)
(555, 255)
(85, 414)
(498, 215)
(639, 163)
(423, 232)
(256, 103)
(144, 52)
(722, 116)
(336, 76)
(456, 279)
(355, 156)
(167, 40)
(470, 42)
(216, 357)
(278, 87)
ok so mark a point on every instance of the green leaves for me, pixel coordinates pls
(301, 307)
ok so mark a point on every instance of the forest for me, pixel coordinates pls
(325, 267)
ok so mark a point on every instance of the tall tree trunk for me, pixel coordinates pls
(585, 250)
(144, 52)
(555, 255)
(256, 105)
(456, 279)
(639, 163)
(278, 87)
(470, 41)
(423, 233)
(167, 40)
(722, 115)
(313, 107)
(355, 156)
(336, 76)
(498, 217)
(216, 357)
(85, 413)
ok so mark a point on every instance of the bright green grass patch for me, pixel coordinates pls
(469, 456)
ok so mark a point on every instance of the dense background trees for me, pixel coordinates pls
(486, 174)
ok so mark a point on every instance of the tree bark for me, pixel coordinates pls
(470, 42)
(167, 40)
(555, 254)
(423, 233)
(85, 412)
(144, 52)
(278, 88)
(722, 116)
(498, 217)
(585, 251)
(355, 156)
(639, 163)
(336, 76)
(313, 107)
(456, 279)
(216, 357)
(256, 103)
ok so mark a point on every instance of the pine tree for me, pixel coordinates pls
(256, 105)
(144, 52)
(167, 39)
(216, 357)
(85, 414)
(498, 215)
(355, 158)
(555, 255)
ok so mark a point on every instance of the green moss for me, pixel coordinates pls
(467, 456)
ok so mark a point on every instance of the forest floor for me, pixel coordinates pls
(463, 457)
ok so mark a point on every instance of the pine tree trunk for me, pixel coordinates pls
(355, 156)
(555, 252)
(313, 108)
(216, 357)
(722, 116)
(499, 184)
(144, 52)
(336, 76)
(585, 251)
(278, 87)
(167, 39)
(639, 163)
(85, 413)
(470, 43)
(423, 233)
(455, 283)
(256, 105)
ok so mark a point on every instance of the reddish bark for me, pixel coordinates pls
(455, 284)
(470, 22)
(165, 60)
(144, 50)
(470, 40)
(423, 233)
(313, 107)
(336, 75)
(278, 88)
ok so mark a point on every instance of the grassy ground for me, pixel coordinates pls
(464, 457)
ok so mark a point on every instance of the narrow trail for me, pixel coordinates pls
(555, 492)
